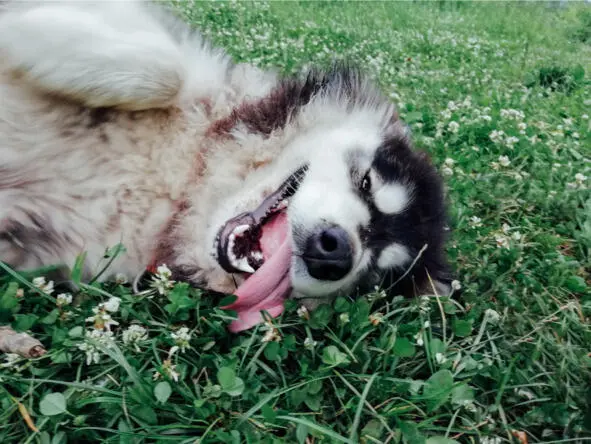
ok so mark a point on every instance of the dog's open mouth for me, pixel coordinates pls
(258, 245)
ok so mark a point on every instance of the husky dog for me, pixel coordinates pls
(120, 124)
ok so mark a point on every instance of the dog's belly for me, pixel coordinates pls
(74, 180)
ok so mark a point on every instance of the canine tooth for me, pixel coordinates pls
(240, 229)
(243, 265)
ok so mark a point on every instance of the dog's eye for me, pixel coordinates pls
(365, 186)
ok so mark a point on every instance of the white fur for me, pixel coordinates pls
(393, 256)
(391, 198)
(326, 196)
(109, 54)
(80, 186)
(89, 193)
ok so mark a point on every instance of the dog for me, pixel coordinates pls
(121, 124)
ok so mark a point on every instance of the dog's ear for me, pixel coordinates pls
(423, 156)
(397, 129)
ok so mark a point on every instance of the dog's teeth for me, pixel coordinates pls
(283, 204)
(240, 230)
(231, 241)
(257, 255)
(242, 265)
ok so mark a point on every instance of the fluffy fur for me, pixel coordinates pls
(120, 124)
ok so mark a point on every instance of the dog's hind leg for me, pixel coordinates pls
(110, 54)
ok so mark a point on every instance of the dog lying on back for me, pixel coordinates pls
(119, 124)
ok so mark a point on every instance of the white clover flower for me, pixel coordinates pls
(453, 127)
(516, 235)
(580, 178)
(310, 344)
(447, 171)
(94, 339)
(169, 369)
(112, 305)
(303, 312)
(344, 318)
(419, 339)
(491, 440)
(475, 222)
(41, 284)
(163, 272)
(271, 335)
(512, 114)
(449, 162)
(492, 316)
(377, 294)
(511, 141)
(63, 299)
(134, 335)
(101, 319)
(504, 161)
(181, 338)
(161, 280)
(585, 117)
(486, 117)
(534, 139)
(162, 286)
(11, 359)
(455, 285)
(376, 318)
(568, 121)
(39, 281)
(20, 293)
(440, 358)
(425, 304)
(446, 114)
(496, 136)
(502, 241)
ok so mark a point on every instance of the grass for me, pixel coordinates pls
(498, 93)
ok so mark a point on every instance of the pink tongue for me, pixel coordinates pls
(268, 287)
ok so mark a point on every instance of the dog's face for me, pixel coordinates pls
(346, 206)
(365, 209)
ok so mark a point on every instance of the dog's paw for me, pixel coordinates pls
(111, 56)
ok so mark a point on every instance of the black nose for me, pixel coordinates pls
(328, 254)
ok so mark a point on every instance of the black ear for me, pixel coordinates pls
(423, 156)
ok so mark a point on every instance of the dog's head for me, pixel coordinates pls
(345, 205)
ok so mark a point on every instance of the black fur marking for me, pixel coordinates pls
(421, 223)
(98, 117)
(274, 112)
